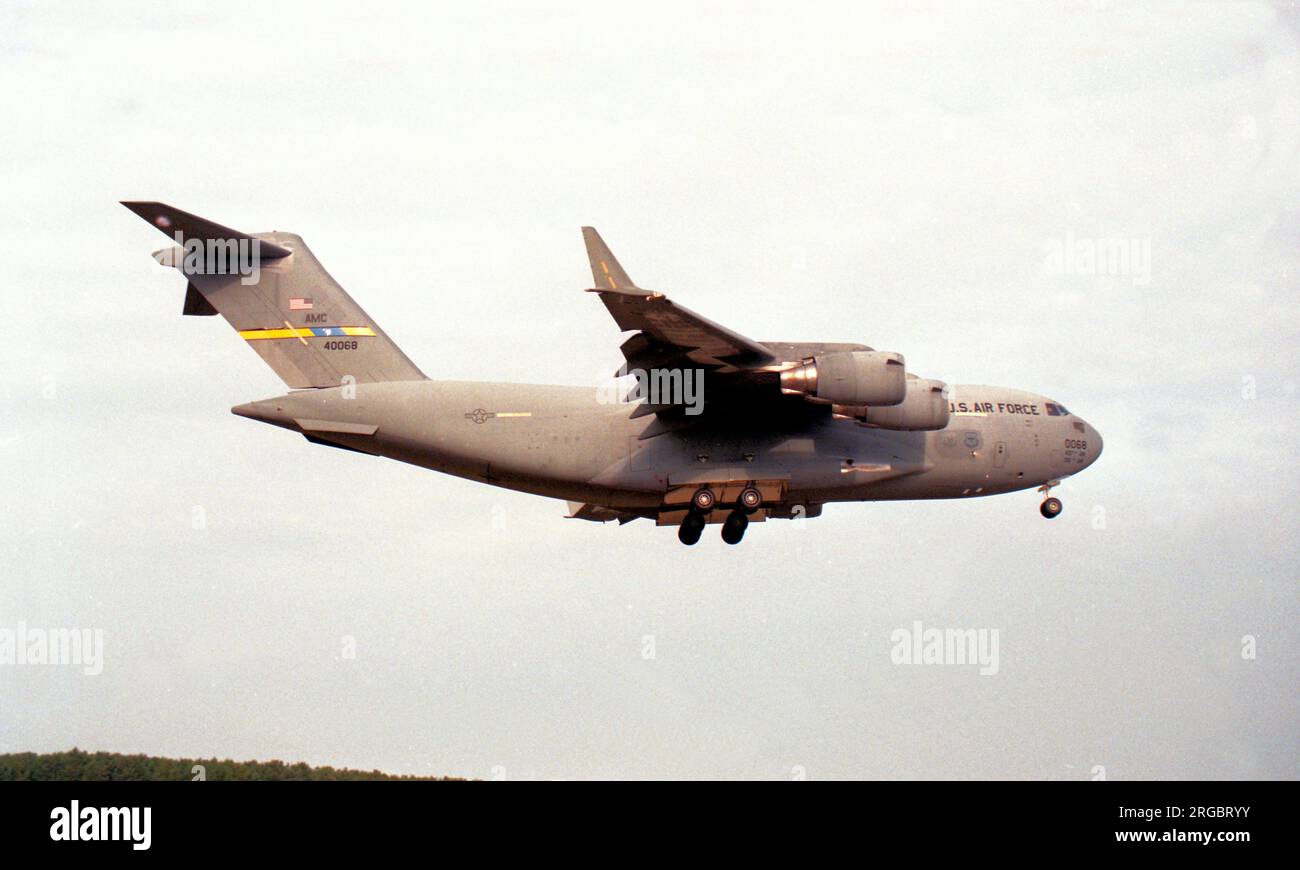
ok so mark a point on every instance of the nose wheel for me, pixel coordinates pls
(1051, 506)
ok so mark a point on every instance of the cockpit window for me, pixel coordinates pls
(1055, 410)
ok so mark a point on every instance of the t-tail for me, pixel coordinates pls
(279, 299)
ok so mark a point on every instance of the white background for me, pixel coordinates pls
(890, 174)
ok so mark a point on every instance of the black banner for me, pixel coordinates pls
(1169, 820)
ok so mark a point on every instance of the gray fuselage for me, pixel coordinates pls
(564, 443)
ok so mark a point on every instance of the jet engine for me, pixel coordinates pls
(860, 377)
(924, 409)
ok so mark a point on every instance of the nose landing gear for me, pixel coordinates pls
(1051, 506)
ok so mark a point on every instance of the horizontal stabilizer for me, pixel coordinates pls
(181, 226)
(341, 428)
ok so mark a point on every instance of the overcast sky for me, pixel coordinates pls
(897, 175)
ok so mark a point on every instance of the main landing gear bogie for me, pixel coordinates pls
(733, 527)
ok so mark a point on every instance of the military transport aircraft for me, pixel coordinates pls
(723, 429)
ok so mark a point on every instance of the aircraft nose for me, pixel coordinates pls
(1094, 443)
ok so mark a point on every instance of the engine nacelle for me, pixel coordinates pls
(860, 377)
(924, 409)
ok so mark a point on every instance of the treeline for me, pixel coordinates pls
(78, 766)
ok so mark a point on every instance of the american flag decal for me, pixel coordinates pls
(300, 303)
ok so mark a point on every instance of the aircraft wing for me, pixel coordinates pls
(741, 376)
(667, 334)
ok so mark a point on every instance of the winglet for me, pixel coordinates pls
(182, 226)
(605, 270)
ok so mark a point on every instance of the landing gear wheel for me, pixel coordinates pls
(703, 500)
(734, 528)
(690, 530)
(750, 499)
(1050, 508)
